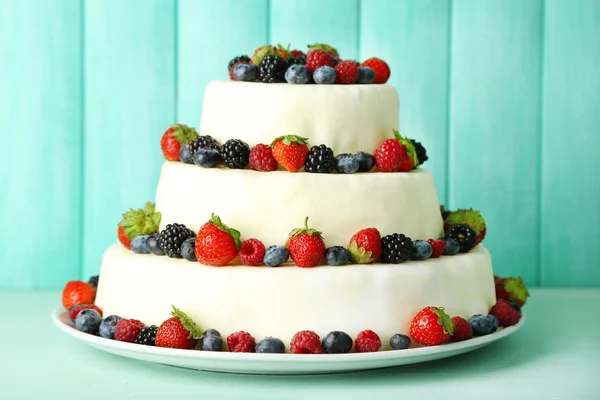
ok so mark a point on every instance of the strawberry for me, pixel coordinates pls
(176, 136)
(216, 243)
(511, 289)
(382, 70)
(325, 47)
(178, 332)
(290, 151)
(142, 221)
(261, 52)
(469, 217)
(318, 58)
(74, 310)
(306, 246)
(297, 53)
(437, 246)
(283, 52)
(396, 155)
(431, 326)
(76, 292)
(365, 246)
(506, 314)
(346, 72)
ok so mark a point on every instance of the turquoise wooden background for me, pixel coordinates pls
(505, 95)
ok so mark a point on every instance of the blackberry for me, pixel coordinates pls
(171, 238)
(464, 234)
(94, 281)
(235, 153)
(300, 60)
(272, 69)
(244, 59)
(421, 152)
(147, 336)
(395, 248)
(320, 160)
(203, 142)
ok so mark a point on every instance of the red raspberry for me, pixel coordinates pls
(382, 70)
(306, 342)
(318, 58)
(73, 311)
(128, 329)
(506, 314)
(241, 342)
(462, 330)
(297, 53)
(252, 252)
(261, 158)
(367, 341)
(390, 156)
(437, 246)
(346, 72)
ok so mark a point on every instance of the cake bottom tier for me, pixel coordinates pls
(281, 301)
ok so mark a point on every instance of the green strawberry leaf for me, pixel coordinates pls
(359, 255)
(322, 46)
(188, 323)
(515, 287)
(235, 234)
(289, 139)
(183, 133)
(307, 230)
(410, 148)
(141, 221)
(443, 319)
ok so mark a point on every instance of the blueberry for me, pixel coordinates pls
(211, 340)
(270, 345)
(483, 325)
(184, 155)
(245, 72)
(207, 158)
(399, 342)
(138, 244)
(451, 247)
(275, 256)
(346, 163)
(88, 320)
(153, 246)
(212, 332)
(188, 249)
(366, 75)
(324, 75)
(298, 74)
(493, 321)
(421, 250)
(366, 161)
(337, 255)
(107, 326)
(337, 342)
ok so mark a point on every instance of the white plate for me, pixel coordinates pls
(276, 364)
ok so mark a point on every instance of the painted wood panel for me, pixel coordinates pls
(413, 37)
(40, 115)
(129, 102)
(495, 125)
(570, 196)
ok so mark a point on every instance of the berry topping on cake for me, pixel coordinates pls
(451, 247)
(306, 246)
(127, 330)
(346, 163)
(366, 75)
(306, 342)
(298, 60)
(420, 150)
(211, 340)
(365, 246)
(216, 243)
(367, 342)
(77, 308)
(108, 325)
(320, 160)
(297, 53)
(346, 72)
(276, 255)
(318, 58)
(462, 330)
(204, 142)
(512, 289)
(147, 336)
(395, 248)
(138, 244)
(325, 47)
(298, 74)
(252, 252)
(468, 217)
(153, 246)
(207, 158)
(483, 324)
(270, 345)
(246, 72)
(272, 69)
(337, 342)
(142, 221)
(437, 247)
(234, 63)
(235, 153)
(94, 280)
(399, 341)
(465, 236)
(283, 52)
(382, 70)
(178, 332)
(336, 256)
(366, 161)
(261, 158)
(431, 326)
(396, 155)
(184, 154)
(176, 136)
(506, 314)
(421, 250)
(261, 52)
(188, 249)
(78, 292)
(290, 151)
(172, 237)
(241, 342)
(88, 320)
(324, 75)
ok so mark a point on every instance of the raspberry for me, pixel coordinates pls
(297, 53)
(252, 252)
(73, 311)
(306, 342)
(506, 314)
(261, 158)
(128, 329)
(318, 58)
(389, 156)
(462, 330)
(382, 70)
(241, 342)
(346, 72)
(437, 246)
(367, 341)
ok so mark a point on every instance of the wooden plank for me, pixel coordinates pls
(570, 199)
(40, 115)
(209, 35)
(129, 102)
(413, 37)
(495, 124)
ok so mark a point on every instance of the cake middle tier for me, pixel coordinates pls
(268, 205)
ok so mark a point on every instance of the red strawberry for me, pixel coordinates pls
(511, 288)
(382, 70)
(290, 151)
(365, 246)
(283, 52)
(216, 243)
(297, 53)
(261, 158)
(74, 310)
(431, 326)
(127, 330)
(318, 58)
(143, 221)
(261, 52)
(469, 217)
(396, 155)
(178, 332)
(176, 136)
(252, 252)
(325, 47)
(76, 292)
(437, 246)
(462, 330)
(346, 72)
(506, 314)
(306, 246)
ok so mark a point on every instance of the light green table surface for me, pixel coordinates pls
(556, 355)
